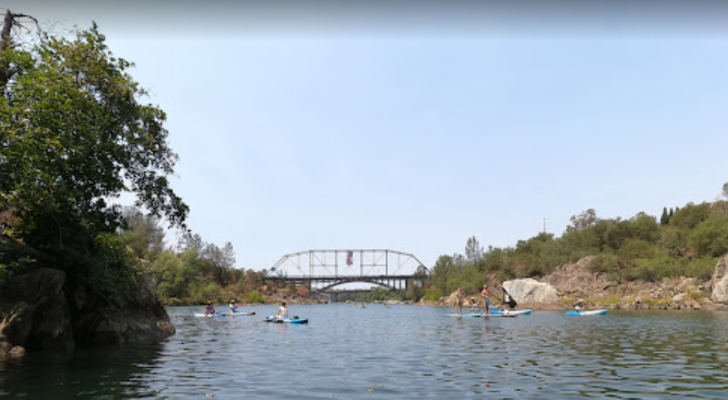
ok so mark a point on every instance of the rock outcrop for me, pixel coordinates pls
(38, 316)
(35, 314)
(531, 291)
(719, 282)
(576, 280)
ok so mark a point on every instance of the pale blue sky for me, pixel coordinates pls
(302, 138)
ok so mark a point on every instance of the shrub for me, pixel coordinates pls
(432, 294)
(255, 297)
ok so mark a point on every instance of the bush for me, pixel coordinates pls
(701, 269)
(604, 263)
(432, 294)
(255, 297)
(710, 237)
(690, 216)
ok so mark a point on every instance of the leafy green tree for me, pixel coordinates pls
(665, 218)
(582, 221)
(673, 241)
(142, 234)
(74, 135)
(644, 227)
(690, 216)
(710, 237)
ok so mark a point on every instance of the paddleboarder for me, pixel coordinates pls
(486, 298)
(458, 301)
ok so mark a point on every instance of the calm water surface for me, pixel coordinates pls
(399, 352)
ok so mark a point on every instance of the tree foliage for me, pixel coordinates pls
(75, 136)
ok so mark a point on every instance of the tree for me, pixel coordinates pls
(710, 237)
(473, 251)
(582, 221)
(665, 218)
(143, 233)
(74, 136)
(228, 256)
(690, 216)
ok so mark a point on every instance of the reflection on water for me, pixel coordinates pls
(400, 352)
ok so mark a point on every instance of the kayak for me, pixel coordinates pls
(287, 320)
(585, 313)
(235, 314)
(510, 312)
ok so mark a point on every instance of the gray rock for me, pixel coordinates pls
(15, 328)
(531, 291)
(720, 281)
(35, 314)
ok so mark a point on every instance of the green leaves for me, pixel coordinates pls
(74, 135)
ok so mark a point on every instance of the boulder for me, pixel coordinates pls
(577, 280)
(142, 321)
(531, 291)
(719, 282)
(38, 316)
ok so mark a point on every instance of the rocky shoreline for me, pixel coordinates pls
(572, 283)
(35, 313)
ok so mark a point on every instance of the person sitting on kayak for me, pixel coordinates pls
(282, 311)
(209, 310)
(232, 306)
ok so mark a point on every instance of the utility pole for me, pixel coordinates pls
(544, 225)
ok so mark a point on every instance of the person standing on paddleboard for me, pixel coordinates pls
(458, 301)
(232, 306)
(486, 298)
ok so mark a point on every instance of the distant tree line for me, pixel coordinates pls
(686, 242)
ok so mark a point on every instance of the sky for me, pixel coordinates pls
(414, 126)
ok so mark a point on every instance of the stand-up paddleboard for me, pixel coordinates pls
(585, 313)
(510, 312)
(295, 320)
(465, 315)
(480, 315)
(222, 314)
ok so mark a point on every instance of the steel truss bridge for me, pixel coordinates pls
(322, 270)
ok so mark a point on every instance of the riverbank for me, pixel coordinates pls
(574, 283)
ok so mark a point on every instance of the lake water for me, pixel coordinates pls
(399, 352)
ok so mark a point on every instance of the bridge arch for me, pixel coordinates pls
(327, 268)
(381, 284)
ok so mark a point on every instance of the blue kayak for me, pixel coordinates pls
(585, 313)
(287, 320)
(510, 312)
(222, 314)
